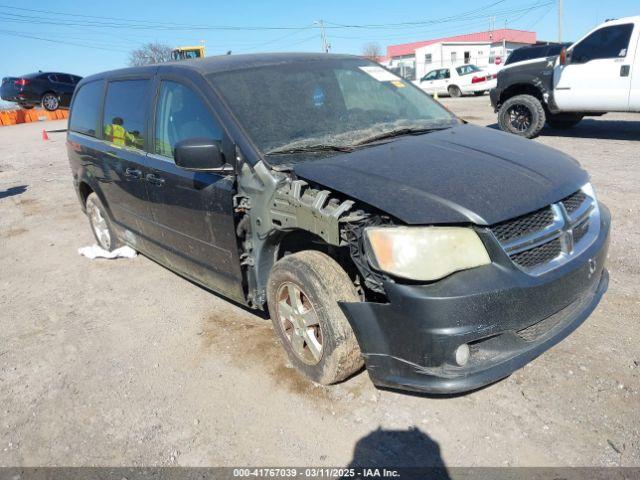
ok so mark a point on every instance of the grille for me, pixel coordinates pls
(524, 225)
(573, 202)
(580, 231)
(538, 329)
(538, 255)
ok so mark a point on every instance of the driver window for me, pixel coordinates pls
(430, 76)
(443, 74)
(180, 115)
(607, 42)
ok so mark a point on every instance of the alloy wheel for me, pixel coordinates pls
(50, 102)
(100, 227)
(300, 323)
(520, 117)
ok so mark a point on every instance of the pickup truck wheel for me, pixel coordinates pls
(303, 294)
(454, 91)
(523, 115)
(100, 224)
(562, 121)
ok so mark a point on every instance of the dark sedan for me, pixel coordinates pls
(52, 90)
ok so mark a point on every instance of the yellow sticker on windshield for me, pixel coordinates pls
(398, 84)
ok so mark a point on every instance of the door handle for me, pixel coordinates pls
(132, 173)
(154, 179)
(624, 70)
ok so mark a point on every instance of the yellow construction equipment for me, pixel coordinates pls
(187, 53)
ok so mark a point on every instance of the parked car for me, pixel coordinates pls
(457, 81)
(593, 76)
(372, 224)
(52, 90)
(534, 53)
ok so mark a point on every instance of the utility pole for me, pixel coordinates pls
(323, 36)
(560, 20)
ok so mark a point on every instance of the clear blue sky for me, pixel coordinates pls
(101, 44)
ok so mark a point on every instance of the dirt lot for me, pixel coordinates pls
(124, 363)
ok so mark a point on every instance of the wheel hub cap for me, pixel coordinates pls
(300, 323)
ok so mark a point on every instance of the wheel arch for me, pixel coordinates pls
(522, 89)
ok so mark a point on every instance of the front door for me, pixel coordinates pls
(596, 77)
(193, 229)
(123, 158)
(427, 82)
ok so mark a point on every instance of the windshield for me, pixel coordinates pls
(337, 103)
(467, 69)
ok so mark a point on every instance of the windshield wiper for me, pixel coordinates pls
(309, 148)
(399, 132)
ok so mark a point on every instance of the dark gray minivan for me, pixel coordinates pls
(374, 226)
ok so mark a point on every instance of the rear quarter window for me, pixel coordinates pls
(85, 111)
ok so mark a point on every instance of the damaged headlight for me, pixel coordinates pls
(424, 253)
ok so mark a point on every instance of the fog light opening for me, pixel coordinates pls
(462, 355)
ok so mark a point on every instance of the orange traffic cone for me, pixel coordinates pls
(44, 135)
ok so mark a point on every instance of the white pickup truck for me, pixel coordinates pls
(599, 73)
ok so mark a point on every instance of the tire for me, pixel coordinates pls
(454, 91)
(319, 283)
(562, 121)
(101, 226)
(25, 107)
(50, 102)
(523, 115)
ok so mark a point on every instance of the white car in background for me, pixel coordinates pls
(457, 81)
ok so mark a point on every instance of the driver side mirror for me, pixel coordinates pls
(200, 155)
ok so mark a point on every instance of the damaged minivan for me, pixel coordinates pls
(372, 225)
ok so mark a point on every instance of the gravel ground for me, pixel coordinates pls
(125, 363)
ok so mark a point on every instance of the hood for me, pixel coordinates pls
(459, 175)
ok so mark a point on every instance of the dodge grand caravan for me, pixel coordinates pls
(373, 225)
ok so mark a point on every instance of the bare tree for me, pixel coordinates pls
(153, 52)
(371, 51)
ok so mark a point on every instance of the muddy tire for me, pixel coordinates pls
(101, 225)
(303, 294)
(523, 115)
(454, 91)
(562, 121)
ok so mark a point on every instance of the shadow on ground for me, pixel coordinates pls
(594, 129)
(408, 449)
(11, 191)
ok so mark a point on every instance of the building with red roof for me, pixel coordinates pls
(481, 48)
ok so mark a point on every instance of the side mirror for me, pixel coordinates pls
(565, 57)
(200, 155)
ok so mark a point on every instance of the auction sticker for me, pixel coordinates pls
(379, 73)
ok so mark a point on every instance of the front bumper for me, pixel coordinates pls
(494, 96)
(507, 318)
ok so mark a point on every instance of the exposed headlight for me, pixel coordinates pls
(424, 253)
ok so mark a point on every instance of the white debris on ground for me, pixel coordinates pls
(95, 251)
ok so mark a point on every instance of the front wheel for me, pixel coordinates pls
(50, 102)
(562, 121)
(523, 115)
(303, 294)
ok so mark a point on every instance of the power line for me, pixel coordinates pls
(34, 37)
